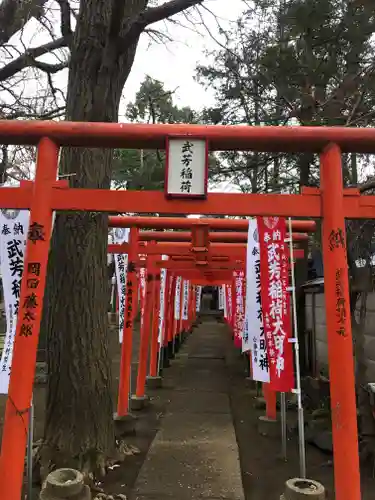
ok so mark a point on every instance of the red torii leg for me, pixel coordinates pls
(139, 400)
(339, 330)
(171, 318)
(153, 380)
(25, 346)
(127, 341)
(163, 351)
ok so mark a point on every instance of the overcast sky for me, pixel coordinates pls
(175, 62)
(172, 62)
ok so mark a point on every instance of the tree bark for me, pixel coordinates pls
(79, 429)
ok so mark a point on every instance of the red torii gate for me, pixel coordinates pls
(331, 202)
(198, 261)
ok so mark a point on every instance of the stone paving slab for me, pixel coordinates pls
(165, 496)
(197, 458)
(200, 402)
(195, 454)
(199, 381)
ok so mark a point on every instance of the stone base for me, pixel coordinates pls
(125, 425)
(300, 489)
(41, 375)
(177, 344)
(268, 427)
(64, 484)
(165, 358)
(154, 382)
(170, 349)
(138, 403)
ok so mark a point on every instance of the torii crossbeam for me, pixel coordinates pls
(331, 202)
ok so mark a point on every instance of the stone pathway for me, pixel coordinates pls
(195, 453)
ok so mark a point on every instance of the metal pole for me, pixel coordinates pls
(160, 354)
(301, 425)
(174, 335)
(29, 457)
(113, 297)
(283, 425)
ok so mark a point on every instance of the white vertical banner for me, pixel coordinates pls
(121, 235)
(177, 302)
(221, 297)
(253, 338)
(163, 282)
(14, 226)
(185, 300)
(198, 298)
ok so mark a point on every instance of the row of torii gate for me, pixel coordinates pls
(331, 202)
(202, 257)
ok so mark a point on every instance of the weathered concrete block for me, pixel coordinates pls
(303, 489)
(41, 373)
(65, 484)
(138, 403)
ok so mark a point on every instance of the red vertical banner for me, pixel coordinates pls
(274, 275)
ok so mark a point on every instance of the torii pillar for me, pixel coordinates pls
(339, 330)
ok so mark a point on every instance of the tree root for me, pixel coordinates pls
(94, 464)
(103, 496)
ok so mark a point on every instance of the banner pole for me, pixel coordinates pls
(301, 426)
(283, 425)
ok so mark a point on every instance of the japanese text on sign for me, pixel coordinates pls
(275, 301)
(239, 307)
(121, 235)
(13, 232)
(341, 308)
(163, 283)
(177, 303)
(336, 239)
(185, 300)
(254, 337)
(187, 167)
(186, 173)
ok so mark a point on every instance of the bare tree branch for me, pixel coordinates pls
(14, 14)
(155, 14)
(167, 9)
(367, 186)
(65, 18)
(27, 59)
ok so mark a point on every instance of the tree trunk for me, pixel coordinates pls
(301, 270)
(79, 429)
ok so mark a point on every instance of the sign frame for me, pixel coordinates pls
(183, 196)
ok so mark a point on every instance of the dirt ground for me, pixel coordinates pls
(263, 472)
